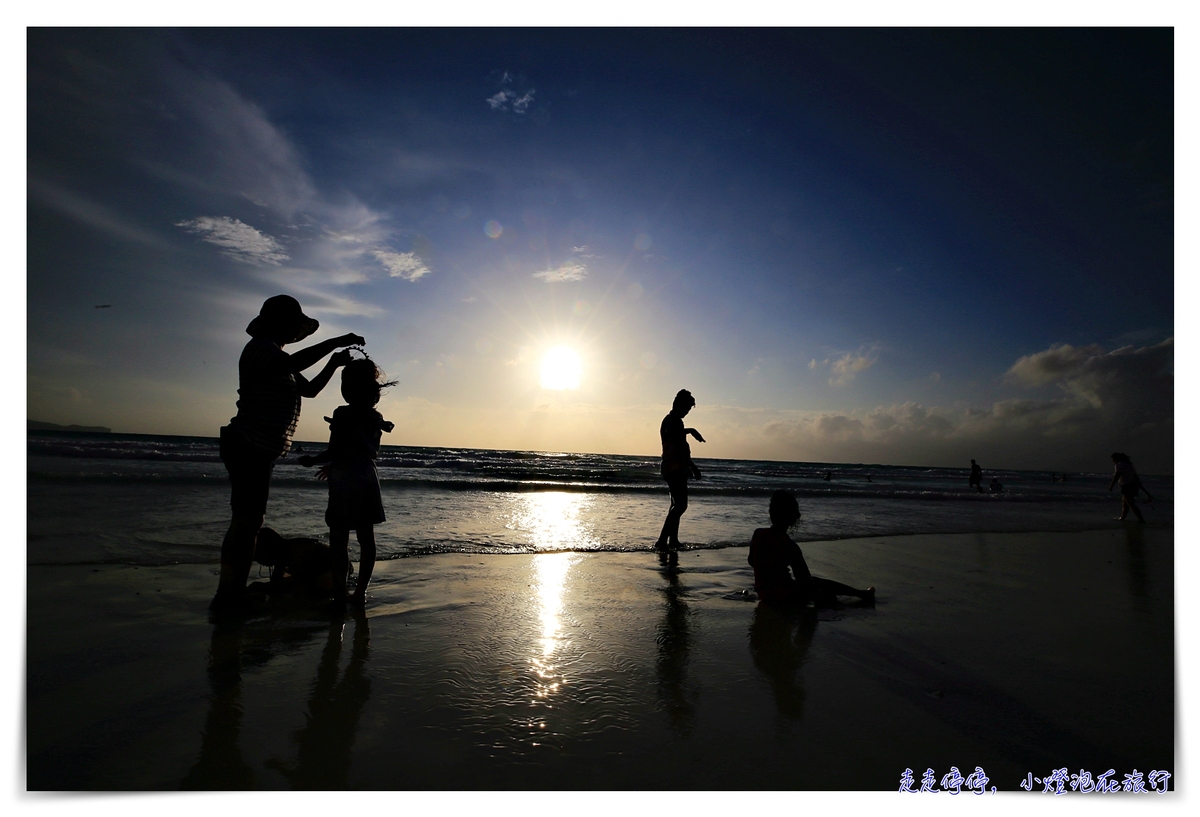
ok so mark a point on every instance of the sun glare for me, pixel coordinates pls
(561, 369)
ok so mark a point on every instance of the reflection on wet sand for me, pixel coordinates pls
(552, 570)
(220, 764)
(779, 641)
(674, 643)
(323, 757)
(325, 743)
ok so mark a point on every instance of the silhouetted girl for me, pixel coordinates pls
(354, 501)
(677, 464)
(1130, 485)
(772, 552)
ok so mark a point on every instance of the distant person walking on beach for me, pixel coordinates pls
(1124, 473)
(355, 503)
(677, 465)
(772, 552)
(270, 385)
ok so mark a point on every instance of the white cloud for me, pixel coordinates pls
(523, 102)
(507, 99)
(847, 367)
(236, 239)
(565, 272)
(404, 265)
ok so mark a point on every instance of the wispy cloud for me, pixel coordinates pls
(567, 271)
(90, 213)
(236, 239)
(406, 265)
(845, 368)
(508, 99)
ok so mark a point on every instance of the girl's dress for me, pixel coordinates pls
(354, 500)
(1130, 484)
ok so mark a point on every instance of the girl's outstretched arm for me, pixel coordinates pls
(311, 388)
(300, 360)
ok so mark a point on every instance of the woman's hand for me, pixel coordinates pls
(694, 433)
(341, 358)
(323, 473)
(351, 339)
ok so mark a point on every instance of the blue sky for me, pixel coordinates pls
(895, 246)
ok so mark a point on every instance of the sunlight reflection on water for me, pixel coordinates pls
(552, 570)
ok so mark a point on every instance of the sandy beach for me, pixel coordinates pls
(1017, 653)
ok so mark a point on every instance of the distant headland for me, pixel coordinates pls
(38, 425)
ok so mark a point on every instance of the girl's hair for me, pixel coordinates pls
(785, 510)
(1118, 457)
(362, 381)
(683, 399)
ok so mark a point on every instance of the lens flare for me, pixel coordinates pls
(493, 229)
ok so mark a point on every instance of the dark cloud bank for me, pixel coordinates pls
(1095, 402)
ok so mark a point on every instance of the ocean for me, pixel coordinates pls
(96, 498)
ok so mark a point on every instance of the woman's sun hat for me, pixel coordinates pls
(282, 319)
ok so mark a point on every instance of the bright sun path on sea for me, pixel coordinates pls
(561, 369)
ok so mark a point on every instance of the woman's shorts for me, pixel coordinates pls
(249, 473)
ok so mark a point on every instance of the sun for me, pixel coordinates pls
(561, 369)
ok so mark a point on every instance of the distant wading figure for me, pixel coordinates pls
(772, 552)
(677, 464)
(976, 479)
(355, 503)
(1124, 472)
(269, 390)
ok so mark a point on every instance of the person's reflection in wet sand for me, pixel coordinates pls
(779, 641)
(220, 764)
(326, 740)
(1135, 552)
(674, 642)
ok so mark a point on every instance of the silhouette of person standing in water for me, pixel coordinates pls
(270, 385)
(677, 465)
(976, 480)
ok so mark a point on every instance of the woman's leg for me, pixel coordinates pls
(366, 561)
(679, 502)
(826, 591)
(339, 541)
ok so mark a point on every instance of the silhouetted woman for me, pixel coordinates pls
(677, 464)
(772, 552)
(269, 390)
(1130, 485)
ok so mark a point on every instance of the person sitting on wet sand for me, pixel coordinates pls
(772, 552)
(301, 562)
(995, 487)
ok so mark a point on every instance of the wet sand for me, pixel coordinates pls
(1018, 653)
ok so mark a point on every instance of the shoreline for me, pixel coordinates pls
(585, 669)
